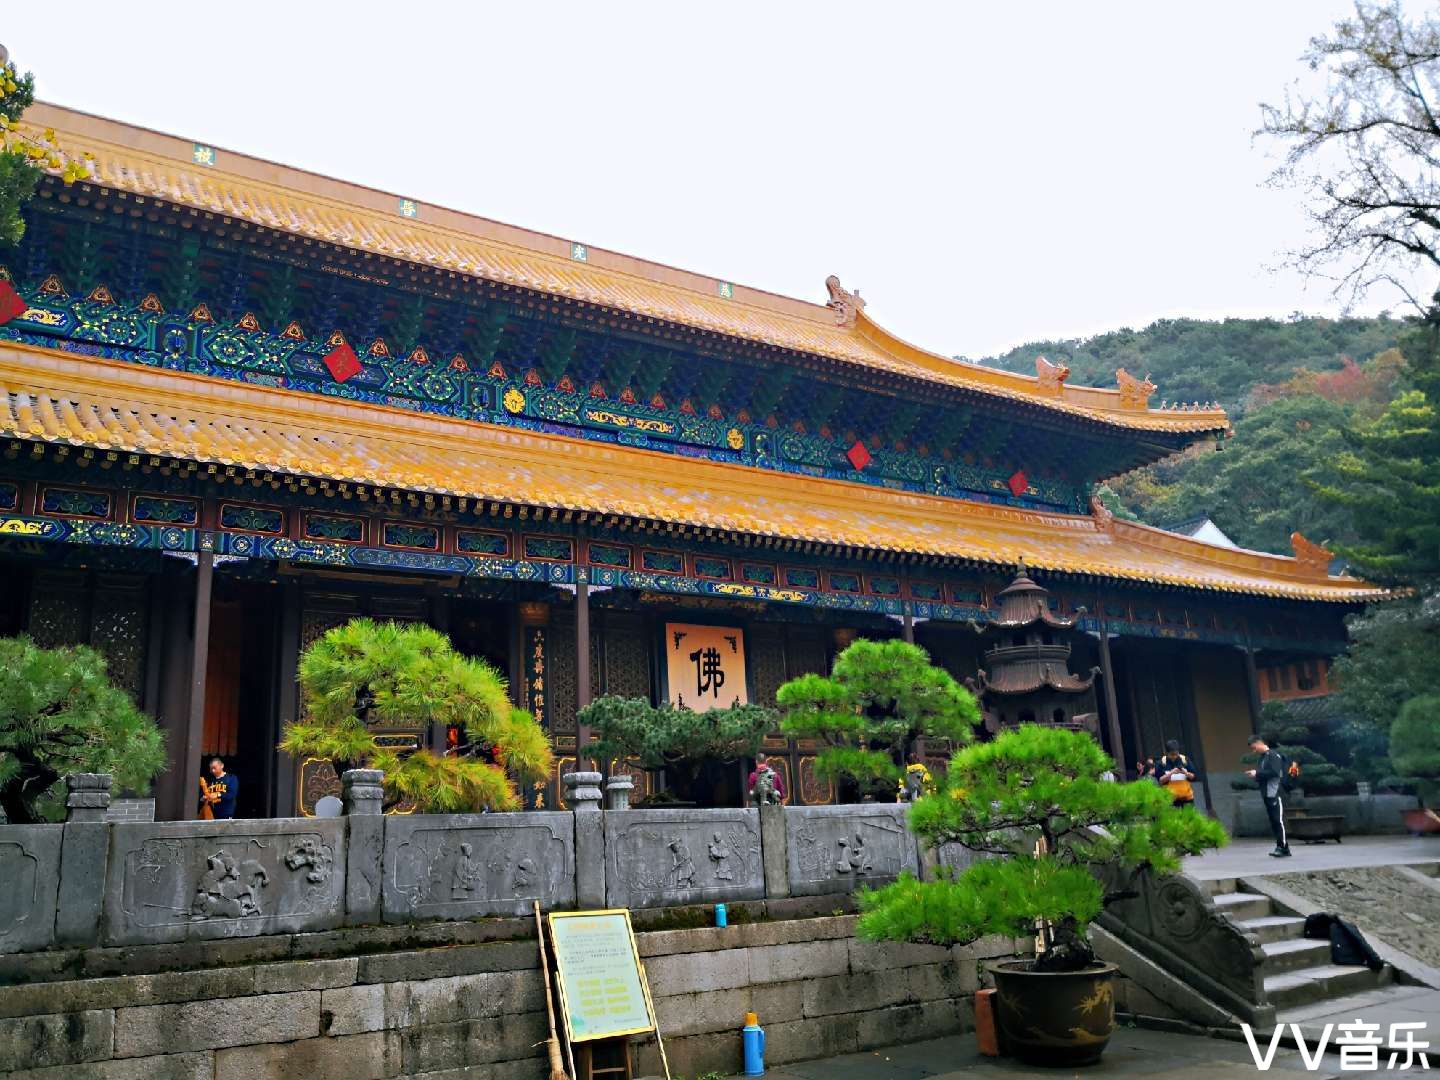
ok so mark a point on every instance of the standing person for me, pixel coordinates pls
(1174, 773)
(1269, 773)
(221, 791)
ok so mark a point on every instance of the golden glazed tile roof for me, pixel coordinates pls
(145, 163)
(54, 397)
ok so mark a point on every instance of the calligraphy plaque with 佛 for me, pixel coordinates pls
(705, 665)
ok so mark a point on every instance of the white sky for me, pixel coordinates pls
(985, 173)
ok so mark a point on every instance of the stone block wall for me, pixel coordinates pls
(817, 990)
(464, 999)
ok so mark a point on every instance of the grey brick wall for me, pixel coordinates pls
(131, 810)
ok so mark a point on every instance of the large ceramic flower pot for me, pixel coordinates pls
(1054, 1018)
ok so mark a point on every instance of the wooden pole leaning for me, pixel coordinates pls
(552, 1044)
(650, 1004)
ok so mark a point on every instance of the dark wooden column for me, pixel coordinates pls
(286, 793)
(193, 745)
(582, 664)
(907, 616)
(174, 788)
(1252, 687)
(516, 667)
(1112, 706)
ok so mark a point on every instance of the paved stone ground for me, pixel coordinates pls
(1249, 857)
(1132, 1052)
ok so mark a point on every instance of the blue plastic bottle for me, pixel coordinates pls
(722, 916)
(752, 1037)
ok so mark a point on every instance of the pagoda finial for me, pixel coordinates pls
(846, 305)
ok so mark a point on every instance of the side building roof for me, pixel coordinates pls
(145, 164)
(54, 397)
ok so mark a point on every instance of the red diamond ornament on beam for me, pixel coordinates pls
(858, 456)
(1018, 483)
(11, 306)
(343, 363)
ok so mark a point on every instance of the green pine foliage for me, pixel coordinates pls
(60, 714)
(1415, 746)
(1389, 478)
(664, 737)
(1030, 784)
(387, 673)
(879, 697)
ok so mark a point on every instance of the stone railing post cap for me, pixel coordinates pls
(89, 781)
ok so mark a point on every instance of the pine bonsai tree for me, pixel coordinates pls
(1415, 747)
(879, 697)
(366, 674)
(680, 740)
(999, 798)
(60, 714)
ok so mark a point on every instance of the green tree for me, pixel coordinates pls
(675, 739)
(365, 675)
(1256, 489)
(1394, 655)
(1415, 746)
(25, 156)
(999, 798)
(1200, 360)
(60, 714)
(879, 697)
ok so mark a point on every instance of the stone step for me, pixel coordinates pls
(1274, 927)
(1294, 953)
(1217, 886)
(1292, 989)
(1241, 905)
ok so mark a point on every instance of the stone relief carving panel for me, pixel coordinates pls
(175, 881)
(456, 866)
(29, 885)
(838, 849)
(660, 857)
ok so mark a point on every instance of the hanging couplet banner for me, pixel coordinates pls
(601, 995)
(705, 665)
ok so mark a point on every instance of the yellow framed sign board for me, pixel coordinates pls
(602, 994)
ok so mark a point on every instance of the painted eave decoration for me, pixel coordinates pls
(49, 396)
(139, 162)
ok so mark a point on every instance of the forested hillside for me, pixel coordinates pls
(1290, 387)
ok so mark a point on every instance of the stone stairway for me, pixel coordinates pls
(1299, 978)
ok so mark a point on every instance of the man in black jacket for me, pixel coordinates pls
(1269, 773)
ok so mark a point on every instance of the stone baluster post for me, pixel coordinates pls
(582, 795)
(582, 791)
(363, 795)
(618, 788)
(84, 854)
(363, 791)
(89, 796)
